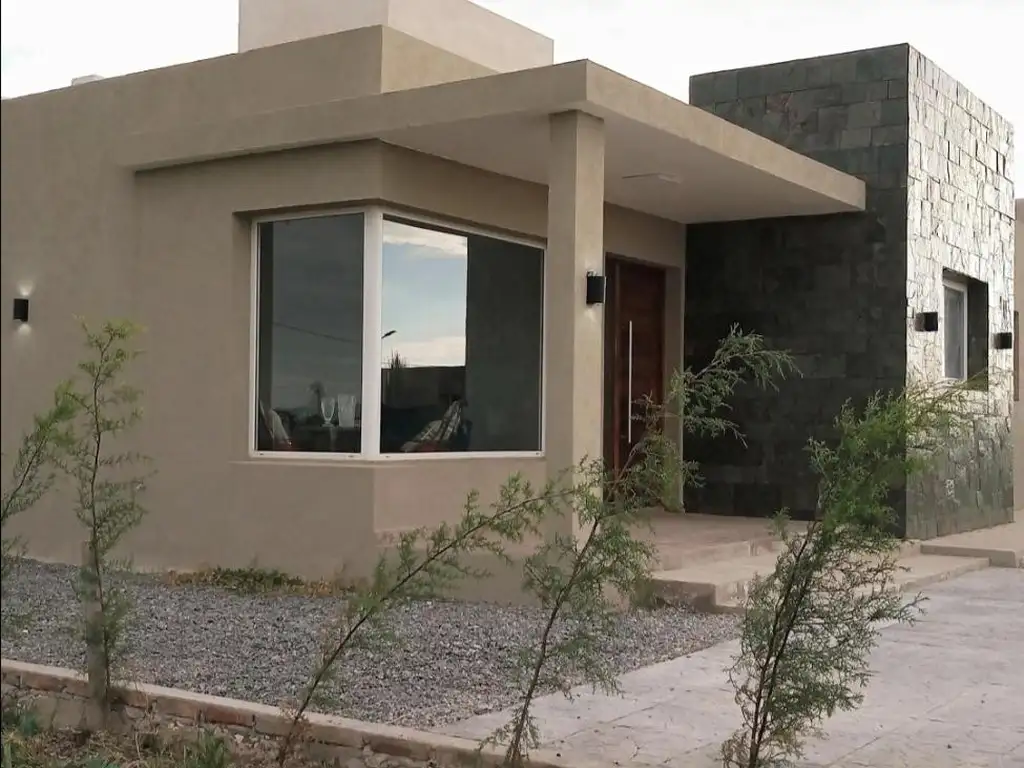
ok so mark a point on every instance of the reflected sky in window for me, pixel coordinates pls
(424, 296)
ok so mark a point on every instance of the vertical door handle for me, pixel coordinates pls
(629, 386)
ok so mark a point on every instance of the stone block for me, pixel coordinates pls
(859, 93)
(702, 90)
(724, 86)
(788, 76)
(882, 63)
(226, 714)
(867, 114)
(750, 82)
(888, 134)
(45, 679)
(818, 73)
(894, 111)
(842, 68)
(897, 88)
(833, 118)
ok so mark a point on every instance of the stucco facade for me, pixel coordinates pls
(145, 204)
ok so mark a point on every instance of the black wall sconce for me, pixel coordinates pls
(1003, 340)
(927, 322)
(595, 289)
(21, 309)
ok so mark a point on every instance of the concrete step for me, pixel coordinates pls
(674, 556)
(1002, 545)
(721, 586)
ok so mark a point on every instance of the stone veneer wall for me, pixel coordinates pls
(830, 289)
(961, 218)
(841, 292)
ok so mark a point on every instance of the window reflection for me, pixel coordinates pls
(955, 340)
(309, 358)
(461, 353)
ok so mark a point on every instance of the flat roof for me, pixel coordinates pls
(663, 156)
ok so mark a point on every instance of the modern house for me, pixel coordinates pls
(389, 253)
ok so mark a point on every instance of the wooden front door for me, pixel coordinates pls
(634, 353)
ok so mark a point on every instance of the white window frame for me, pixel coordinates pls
(373, 278)
(959, 286)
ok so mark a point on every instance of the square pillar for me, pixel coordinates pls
(574, 331)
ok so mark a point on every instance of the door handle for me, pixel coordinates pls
(629, 386)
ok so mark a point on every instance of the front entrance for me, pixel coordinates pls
(634, 353)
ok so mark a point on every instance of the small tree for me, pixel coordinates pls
(810, 626)
(107, 492)
(576, 578)
(424, 563)
(43, 449)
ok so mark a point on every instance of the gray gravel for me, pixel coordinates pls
(454, 660)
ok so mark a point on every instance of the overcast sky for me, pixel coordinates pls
(660, 42)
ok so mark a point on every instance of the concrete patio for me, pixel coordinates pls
(948, 693)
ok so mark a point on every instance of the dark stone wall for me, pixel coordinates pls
(840, 292)
(831, 290)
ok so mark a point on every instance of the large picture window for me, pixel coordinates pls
(451, 320)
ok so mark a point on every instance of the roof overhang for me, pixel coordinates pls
(662, 156)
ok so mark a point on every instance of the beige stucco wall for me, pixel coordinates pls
(462, 27)
(1018, 411)
(172, 250)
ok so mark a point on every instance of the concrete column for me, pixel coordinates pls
(573, 331)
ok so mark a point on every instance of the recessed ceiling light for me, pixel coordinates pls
(664, 177)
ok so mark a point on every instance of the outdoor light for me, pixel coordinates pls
(1003, 340)
(926, 321)
(21, 309)
(595, 289)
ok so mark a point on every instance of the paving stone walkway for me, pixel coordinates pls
(948, 693)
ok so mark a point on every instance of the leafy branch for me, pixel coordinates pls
(810, 625)
(41, 453)
(423, 564)
(576, 578)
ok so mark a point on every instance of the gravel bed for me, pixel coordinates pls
(448, 661)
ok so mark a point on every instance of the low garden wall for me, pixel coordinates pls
(59, 698)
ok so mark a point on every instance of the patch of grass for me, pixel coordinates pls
(257, 581)
(78, 749)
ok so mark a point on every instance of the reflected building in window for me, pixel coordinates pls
(462, 370)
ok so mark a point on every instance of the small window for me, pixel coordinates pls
(965, 329)
(955, 325)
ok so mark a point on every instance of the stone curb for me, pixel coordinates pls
(272, 722)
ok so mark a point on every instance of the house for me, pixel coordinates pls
(389, 253)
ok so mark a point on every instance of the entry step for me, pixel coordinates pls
(722, 586)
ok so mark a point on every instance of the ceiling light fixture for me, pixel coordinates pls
(663, 177)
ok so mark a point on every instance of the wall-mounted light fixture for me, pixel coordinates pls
(595, 289)
(928, 322)
(1003, 340)
(21, 309)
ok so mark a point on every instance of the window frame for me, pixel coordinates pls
(960, 286)
(373, 278)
